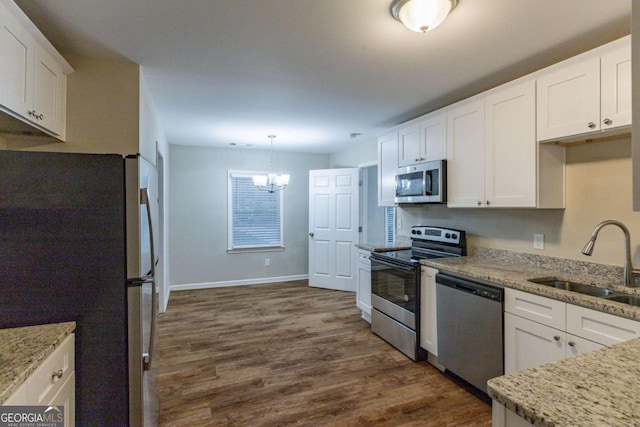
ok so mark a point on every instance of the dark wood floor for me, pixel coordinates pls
(287, 354)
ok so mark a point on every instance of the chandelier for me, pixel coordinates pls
(271, 182)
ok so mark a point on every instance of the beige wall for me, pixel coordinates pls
(102, 109)
(598, 187)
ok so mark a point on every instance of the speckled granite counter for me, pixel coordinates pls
(600, 388)
(384, 247)
(22, 350)
(514, 269)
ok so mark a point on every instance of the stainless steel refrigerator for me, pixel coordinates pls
(76, 243)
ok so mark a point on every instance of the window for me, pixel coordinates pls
(255, 217)
(390, 225)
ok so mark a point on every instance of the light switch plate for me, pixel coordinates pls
(538, 241)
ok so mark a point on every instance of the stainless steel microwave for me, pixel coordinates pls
(422, 183)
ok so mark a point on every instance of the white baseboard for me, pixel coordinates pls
(244, 282)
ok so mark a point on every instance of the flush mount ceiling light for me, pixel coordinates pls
(422, 15)
(271, 182)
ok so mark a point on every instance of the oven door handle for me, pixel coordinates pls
(393, 265)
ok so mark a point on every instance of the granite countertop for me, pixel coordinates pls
(514, 269)
(599, 388)
(22, 350)
(384, 247)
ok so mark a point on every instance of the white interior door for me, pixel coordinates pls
(333, 228)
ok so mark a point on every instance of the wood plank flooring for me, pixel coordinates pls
(287, 354)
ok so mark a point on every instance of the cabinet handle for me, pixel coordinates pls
(591, 125)
(311, 234)
(556, 337)
(488, 202)
(32, 113)
(479, 203)
(418, 159)
(40, 116)
(57, 374)
(608, 122)
(572, 344)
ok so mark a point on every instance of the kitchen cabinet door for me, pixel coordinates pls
(16, 63)
(465, 154)
(569, 100)
(423, 141)
(66, 397)
(615, 92)
(48, 92)
(510, 147)
(433, 136)
(428, 311)
(387, 168)
(528, 344)
(409, 145)
(363, 288)
(577, 345)
(603, 328)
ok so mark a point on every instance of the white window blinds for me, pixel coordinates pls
(390, 224)
(255, 217)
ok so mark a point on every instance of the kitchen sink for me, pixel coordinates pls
(575, 287)
(626, 299)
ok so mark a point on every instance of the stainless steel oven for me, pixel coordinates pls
(395, 286)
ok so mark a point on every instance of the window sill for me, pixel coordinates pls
(250, 250)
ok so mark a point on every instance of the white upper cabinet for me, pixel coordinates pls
(465, 154)
(424, 140)
(409, 145)
(387, 168)
(588, 94)
(615, 78)
(33, 78)
(493, 158)
(49, 92)
(16, 60)
(510, 147)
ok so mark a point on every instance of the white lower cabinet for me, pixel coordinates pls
(363, 288)
(53, 383)
(528, 344)
(428, 311)
(539, 330)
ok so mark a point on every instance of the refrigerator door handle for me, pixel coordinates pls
(145, 200)
(147, 356)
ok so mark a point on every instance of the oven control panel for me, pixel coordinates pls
(437, 234)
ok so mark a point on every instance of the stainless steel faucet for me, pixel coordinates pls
(629, 273)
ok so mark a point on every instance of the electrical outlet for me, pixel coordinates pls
(538, 241)
(267, 262)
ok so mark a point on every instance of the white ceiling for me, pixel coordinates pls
(314, 71)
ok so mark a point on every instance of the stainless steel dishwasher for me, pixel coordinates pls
(470, 331)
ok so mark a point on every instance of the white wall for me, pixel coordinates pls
(198, 216)
(598, 187)
(154, 147)
(355, 154)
